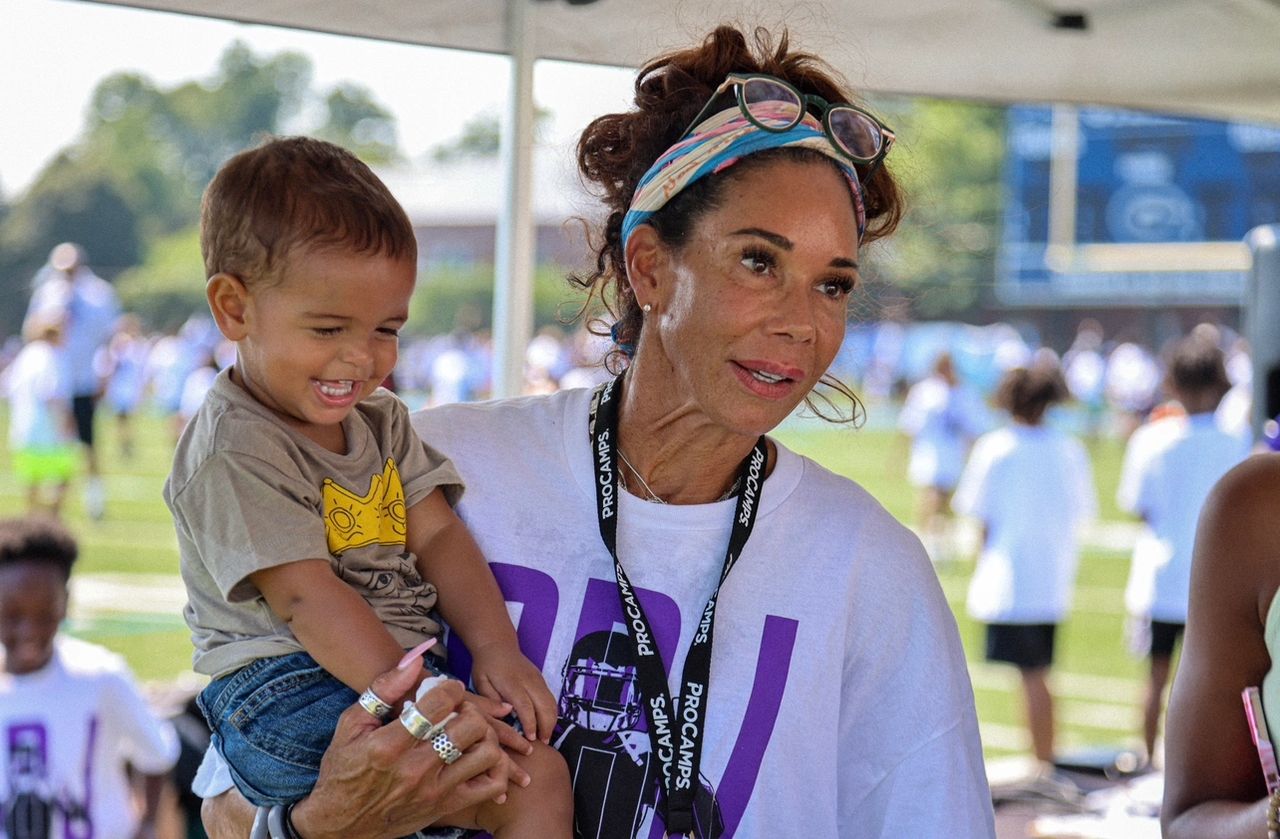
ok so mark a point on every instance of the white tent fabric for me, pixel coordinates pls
(1217, 58)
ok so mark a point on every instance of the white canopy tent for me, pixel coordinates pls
(1214, 58)
(1210, 57)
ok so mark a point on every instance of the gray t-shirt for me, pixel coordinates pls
(247, 492)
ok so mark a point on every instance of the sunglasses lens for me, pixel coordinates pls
(770, 104)
(856, 133)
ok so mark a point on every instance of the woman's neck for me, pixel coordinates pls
(671, 447)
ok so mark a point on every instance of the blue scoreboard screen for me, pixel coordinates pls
(1159, 209)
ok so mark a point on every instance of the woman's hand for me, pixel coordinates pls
(501, 672)
(378, 782)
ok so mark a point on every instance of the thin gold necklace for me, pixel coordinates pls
(658, 499)
(653, 496)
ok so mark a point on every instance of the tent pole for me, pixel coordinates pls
(514, 246)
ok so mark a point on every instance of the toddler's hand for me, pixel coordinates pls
(501, 672)
(495, 712)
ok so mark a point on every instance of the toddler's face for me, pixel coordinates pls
(33, 602)
(324, 337)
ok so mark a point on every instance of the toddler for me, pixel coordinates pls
(315, 529)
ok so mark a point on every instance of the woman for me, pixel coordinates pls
(831, 699)
(1213, 781)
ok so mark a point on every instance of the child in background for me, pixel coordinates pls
(1032, 489)
(124, 360)
(71, 717)
(1167, 487)
(1213, 781)
(315, 528)
(42, 432)
(942, 418)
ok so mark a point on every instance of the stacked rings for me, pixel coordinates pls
(445, 748)
(417, 724)
(373, 703)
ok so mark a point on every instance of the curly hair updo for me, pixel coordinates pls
(616, 150)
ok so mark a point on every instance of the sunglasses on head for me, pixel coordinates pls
(772, 104)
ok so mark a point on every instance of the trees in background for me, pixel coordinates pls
(355, 121)
(129, 188)
(948, 158)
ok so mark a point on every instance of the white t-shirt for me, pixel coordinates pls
(1084, 371)
(1033, 489)
(840, 704)
(88, 308)
(69, 729)
(39, 399)
(1148, 552)
(1171, 489)
(1132, 378)
(941, 421)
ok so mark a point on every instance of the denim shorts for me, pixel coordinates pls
(272, 720)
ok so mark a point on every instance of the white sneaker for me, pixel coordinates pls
(95, 499)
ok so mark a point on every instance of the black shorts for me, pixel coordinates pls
(1164, 636)
(82, 408)
(1027, 646)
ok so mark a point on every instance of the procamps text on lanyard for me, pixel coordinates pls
(679, 765)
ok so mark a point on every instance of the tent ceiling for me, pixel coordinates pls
(1216, 58)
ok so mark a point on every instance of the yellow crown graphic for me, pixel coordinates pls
(377, 517)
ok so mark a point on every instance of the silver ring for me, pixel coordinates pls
(373, 703)
(416, 723)
(445, 748)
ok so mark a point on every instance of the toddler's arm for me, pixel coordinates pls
(330, 619)
(472, 603)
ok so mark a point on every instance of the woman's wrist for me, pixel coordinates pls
(305, 822)
(275, 822)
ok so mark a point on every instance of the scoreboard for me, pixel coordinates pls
(1109, 207)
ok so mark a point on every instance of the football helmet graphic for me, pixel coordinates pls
(599, 691)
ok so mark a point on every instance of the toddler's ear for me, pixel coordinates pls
(228, 299)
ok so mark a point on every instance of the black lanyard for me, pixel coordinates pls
(686, 723)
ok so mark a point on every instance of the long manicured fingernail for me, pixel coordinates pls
(415, 653)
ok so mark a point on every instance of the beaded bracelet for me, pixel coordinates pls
(1273, 815)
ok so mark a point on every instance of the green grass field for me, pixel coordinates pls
(131, 557)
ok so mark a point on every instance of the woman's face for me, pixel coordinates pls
(751, 309)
